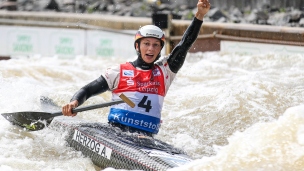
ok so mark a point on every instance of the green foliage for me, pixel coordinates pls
(282, 10)
(189, 15)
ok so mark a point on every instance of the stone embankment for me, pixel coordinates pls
(265, 14)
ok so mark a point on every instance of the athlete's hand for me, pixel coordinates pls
(67, 109)
(203, 7)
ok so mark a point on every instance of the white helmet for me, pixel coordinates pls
(150, 31)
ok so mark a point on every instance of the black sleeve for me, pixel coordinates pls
(178, 54)
(95, 87)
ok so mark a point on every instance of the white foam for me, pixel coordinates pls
(227, 110)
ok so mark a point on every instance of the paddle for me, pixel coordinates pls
(34, 121)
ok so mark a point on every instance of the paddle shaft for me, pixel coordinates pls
(90, 107)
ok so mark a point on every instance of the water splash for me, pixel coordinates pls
(213, 105)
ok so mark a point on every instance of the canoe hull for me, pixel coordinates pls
(108, 146)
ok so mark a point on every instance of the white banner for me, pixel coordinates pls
(4, 41)
(28, 41)
(64, 43)
(108, 44)
(19, 41)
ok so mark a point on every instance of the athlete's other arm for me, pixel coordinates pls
(95, 87)
(178, 54)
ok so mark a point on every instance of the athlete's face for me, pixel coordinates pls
(149, 49)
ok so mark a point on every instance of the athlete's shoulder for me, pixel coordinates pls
(114, 68)
(112, 71)
(111, 75)
(163, 64)
(162, 61)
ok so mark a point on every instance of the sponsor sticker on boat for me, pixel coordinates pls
(92, 144)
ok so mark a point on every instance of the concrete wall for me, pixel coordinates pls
(226, 4)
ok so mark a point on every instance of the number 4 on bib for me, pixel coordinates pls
(144, 103)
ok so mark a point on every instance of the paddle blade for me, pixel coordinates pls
(31, 121)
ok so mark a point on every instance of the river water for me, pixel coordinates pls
(228, 111)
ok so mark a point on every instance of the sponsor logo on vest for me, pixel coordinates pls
(136, 122)
(156, 72)
(92, 144)
(148, 83)
(144, 86)
(130, 82)
(128, 73)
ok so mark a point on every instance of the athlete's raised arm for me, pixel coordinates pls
(178, 54)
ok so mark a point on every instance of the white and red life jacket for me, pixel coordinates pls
(146, 88)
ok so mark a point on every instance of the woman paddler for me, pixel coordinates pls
(144, 81)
